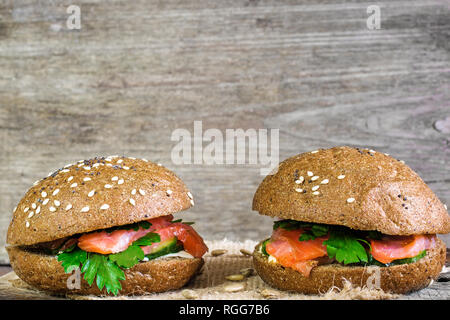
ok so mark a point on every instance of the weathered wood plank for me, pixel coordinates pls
(138, 70)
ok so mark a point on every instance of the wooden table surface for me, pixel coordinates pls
(137, 70)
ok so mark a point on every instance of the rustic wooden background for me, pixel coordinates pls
(138, 69)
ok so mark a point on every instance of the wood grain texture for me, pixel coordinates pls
(137, 70)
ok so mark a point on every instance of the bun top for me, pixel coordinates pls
(358, 188)
(96, 194)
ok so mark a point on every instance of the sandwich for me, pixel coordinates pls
(111, 220)
(349, 215)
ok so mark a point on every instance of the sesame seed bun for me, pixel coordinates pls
(399, 279)
(96, 194)
(358, 188)
(44, 272)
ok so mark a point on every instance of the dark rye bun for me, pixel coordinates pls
(358, 188)
(398, 279)
(96, 194)
(44, 272)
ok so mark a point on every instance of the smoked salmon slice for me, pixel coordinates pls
(192, 242)
(391, 248)
(119, 240)
(295, 254)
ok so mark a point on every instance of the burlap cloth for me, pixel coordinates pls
(212, 284)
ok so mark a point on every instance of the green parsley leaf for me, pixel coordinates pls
(345, 247)
(316, 230)
(128, 258)
(181, 221)
(148, 239)
(133, 254)
(72, 259)
(290, 224)
(107, 273)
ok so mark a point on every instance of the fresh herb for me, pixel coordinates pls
(106, 269)
(133, 254)
(315, 231)
(345, 247)
(106, 272)
(290, 225)
(72, 258)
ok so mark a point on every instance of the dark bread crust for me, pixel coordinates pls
(399, 279)
(389, 196)
(144, 182)
(44, 272)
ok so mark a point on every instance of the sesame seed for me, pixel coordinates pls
(299, 190)
(91, 193)
(119, 161)
(65, 170)
(316, 193)
(68, 207)
(109, 165)
(169, 192)
(310, 174)
(85, 209)
(45, 201)
(27, 224)
(192, 202)
(31, 214)
(190, 195)
(126, 168)
(55, 192)
(315, 188)
(445, 206)
(26, 209)
(159, 164)
(57, 203)
(70, 179)
(38, 209)
(120, 181)
(15, 208)
(87, 168)
(314, 178)
(43, 194)
(133, 192)
(87, 179)
(104, 207)
(350, 200)
(52, 209)
(115, 178)
(96, 165)
(33, 205)
(142, 192)
(342, 176)
(132, 201)
(402, 162)
(108, 186)
(315, 151)
(300, 180)
(325, 181)
(145, 160)
(36, 182)
(73, 185)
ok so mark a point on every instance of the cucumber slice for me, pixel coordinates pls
(166, 247)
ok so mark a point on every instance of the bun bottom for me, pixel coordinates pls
(44, 272)
(398, 279)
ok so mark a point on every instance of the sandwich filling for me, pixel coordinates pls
(303, 246)
(102, 255)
